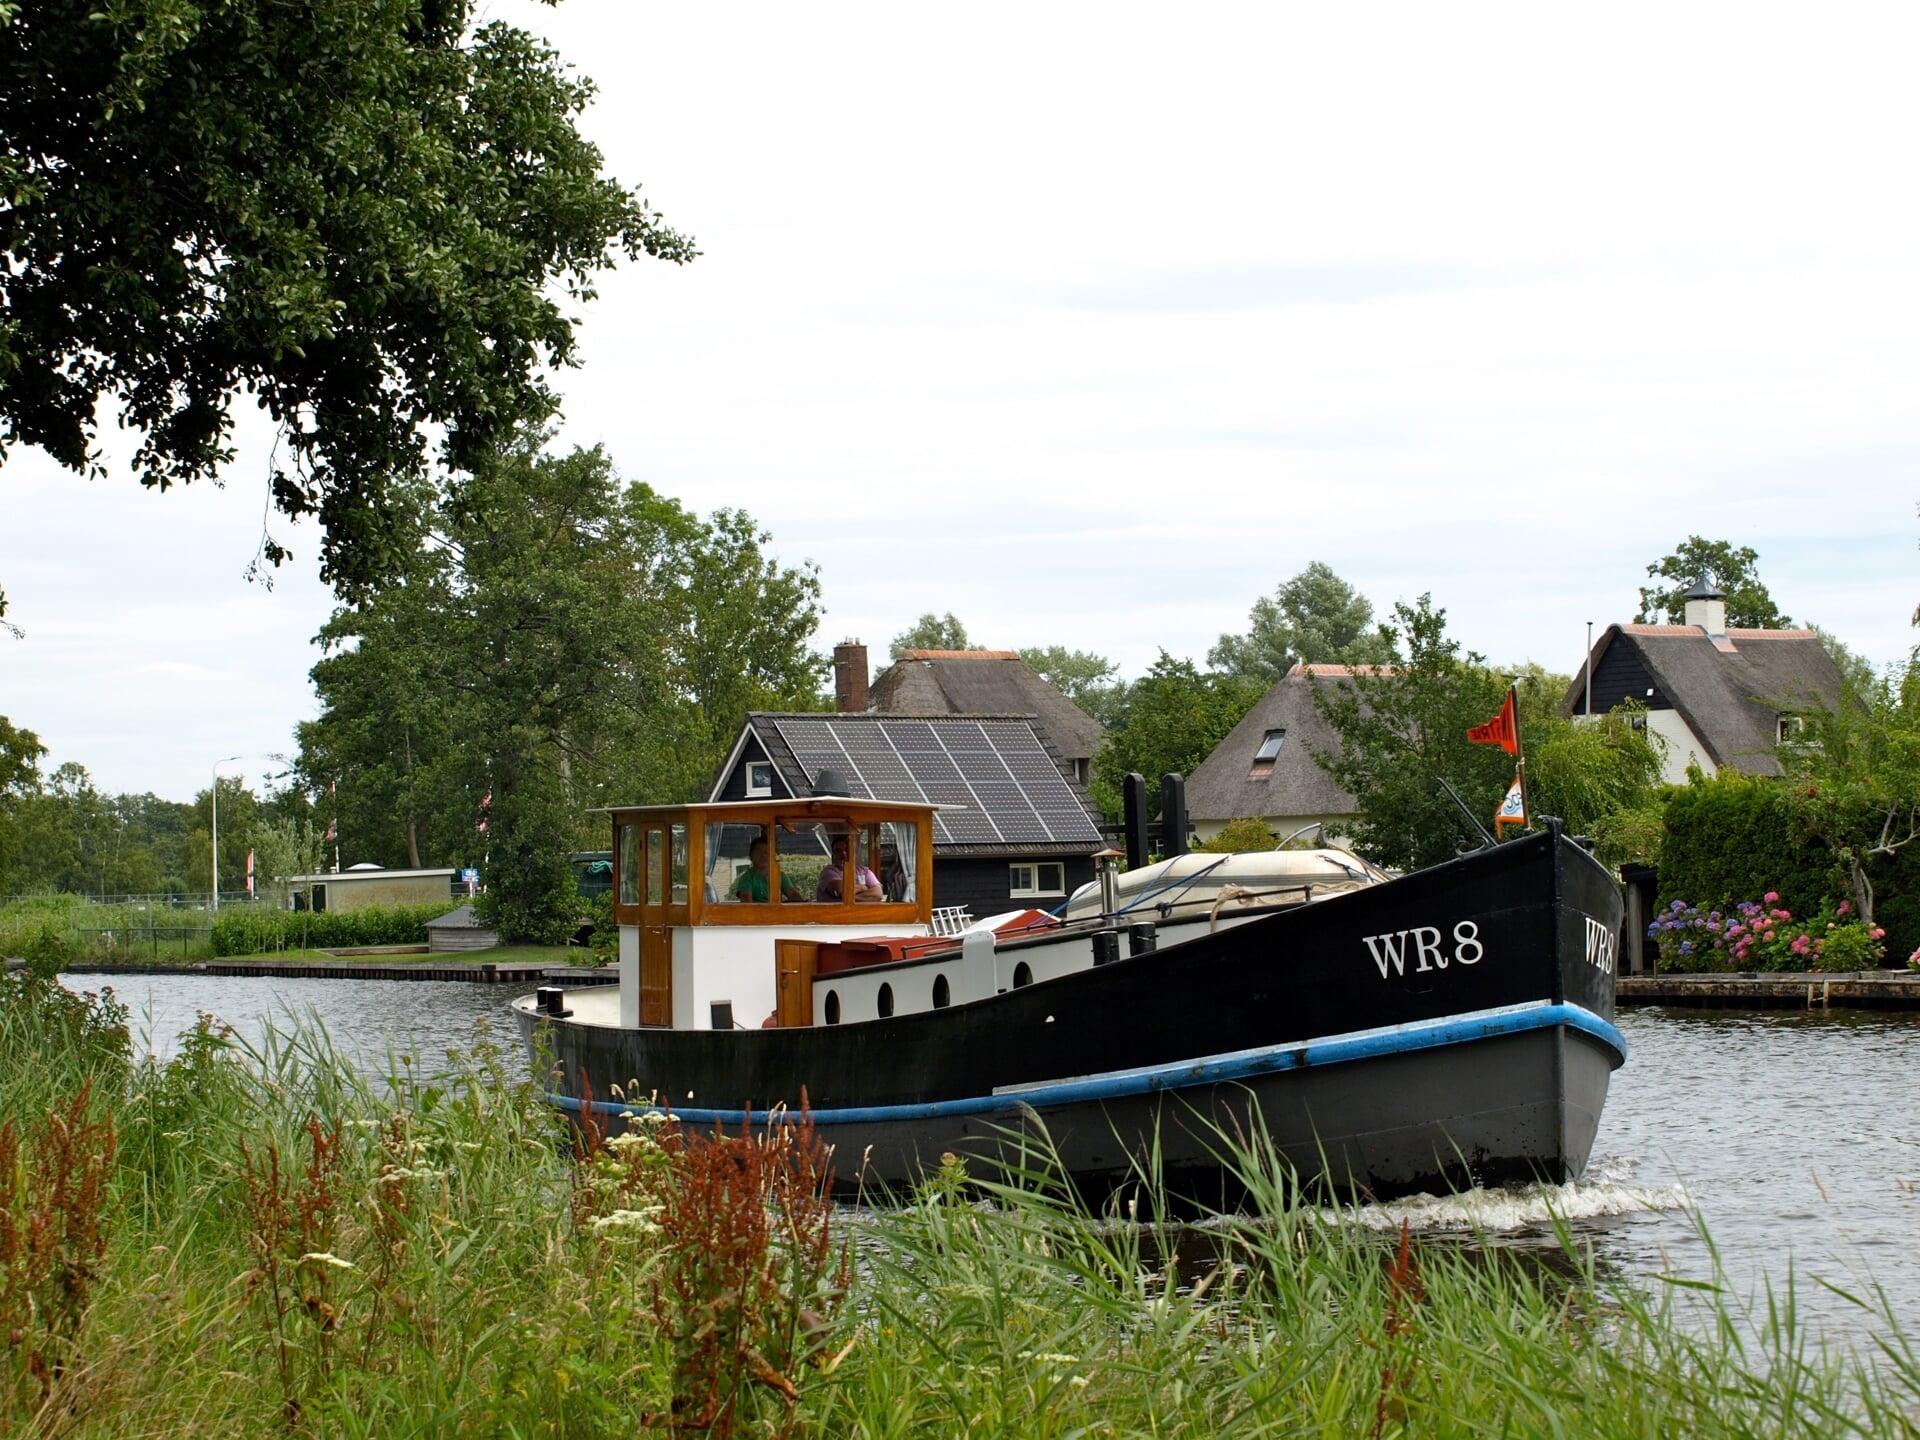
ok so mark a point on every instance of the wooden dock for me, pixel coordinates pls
(1859, 990)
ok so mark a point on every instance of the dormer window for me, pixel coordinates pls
(1268, 752)
(759, 779)
(1790, 728)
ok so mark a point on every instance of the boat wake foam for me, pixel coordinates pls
(1605, 1191)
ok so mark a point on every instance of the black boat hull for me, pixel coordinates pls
(1447, 1028)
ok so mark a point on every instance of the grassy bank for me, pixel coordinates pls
(239, 1242)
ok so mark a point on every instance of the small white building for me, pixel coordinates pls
(362, 885)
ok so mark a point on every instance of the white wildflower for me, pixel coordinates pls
(321, 1257)
(638, 1222)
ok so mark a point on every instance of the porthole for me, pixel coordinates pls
(885, 1001)
(833, 1007)
(942, 993)
(1022, 975)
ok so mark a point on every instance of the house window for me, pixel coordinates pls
(1790, 728)
(759, 778)
(1037, 877)
(1264, 757)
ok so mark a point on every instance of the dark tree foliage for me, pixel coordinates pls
(353, 210)
(1091, 681)
(1731, 571)
(558, 640)
(932, 632)
(1403, 729)
(1315, 618)
(1174, 717)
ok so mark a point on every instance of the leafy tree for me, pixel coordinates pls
(365, 213)
(1404, 728)
(1174, 718)
(560, 640)
(932, 632)
(20, 756)
(1855, 668)
(1855, 776)
(1091, 681)
(1729, 570)
(1314, 618)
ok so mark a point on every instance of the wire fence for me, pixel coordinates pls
(177, 926)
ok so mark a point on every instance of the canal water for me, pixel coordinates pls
(1770, 1139)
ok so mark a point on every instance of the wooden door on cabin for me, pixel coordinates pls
(796, 961)
(656, 936)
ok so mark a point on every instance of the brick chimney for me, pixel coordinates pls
(850, 677)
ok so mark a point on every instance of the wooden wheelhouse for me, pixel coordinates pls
(693, 896)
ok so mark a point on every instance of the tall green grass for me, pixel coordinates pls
(280, 1243)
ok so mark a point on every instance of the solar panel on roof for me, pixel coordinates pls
(817, 748)
(994, 778)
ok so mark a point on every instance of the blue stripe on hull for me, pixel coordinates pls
(1185, 1075)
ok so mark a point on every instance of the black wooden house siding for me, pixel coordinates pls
(1619, 676)
(983, 884)
(734, 787)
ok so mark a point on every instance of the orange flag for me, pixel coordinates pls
(1502, 730)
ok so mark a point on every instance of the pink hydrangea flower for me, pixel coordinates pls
(1771, 897)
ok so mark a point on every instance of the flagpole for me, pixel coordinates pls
(1520, 755)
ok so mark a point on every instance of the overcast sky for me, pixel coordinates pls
(1092, 323)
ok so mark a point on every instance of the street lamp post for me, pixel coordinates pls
(214, 797)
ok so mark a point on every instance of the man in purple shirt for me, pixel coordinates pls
(866, 884)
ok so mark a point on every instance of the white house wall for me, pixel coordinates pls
(1683, 747)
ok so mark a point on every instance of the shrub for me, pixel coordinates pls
(1734, 836)
(1247, 833)
(1763, 935)
(254, 930)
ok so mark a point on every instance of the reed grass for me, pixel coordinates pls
(251, 1240)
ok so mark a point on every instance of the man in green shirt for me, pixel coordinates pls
(754, 885)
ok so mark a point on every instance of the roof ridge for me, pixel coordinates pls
(958, 655)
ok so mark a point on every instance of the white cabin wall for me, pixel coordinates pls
(736, 963)
(630, 976)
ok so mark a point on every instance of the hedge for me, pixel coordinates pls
(253, 930)
(1734, 838)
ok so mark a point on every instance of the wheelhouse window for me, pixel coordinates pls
(1037, 878)
(629, 847)
(679, 891)
(742, 868)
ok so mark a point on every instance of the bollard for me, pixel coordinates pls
(1106, 946)
(1142, 938)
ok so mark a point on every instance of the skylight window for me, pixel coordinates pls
(1270, 747)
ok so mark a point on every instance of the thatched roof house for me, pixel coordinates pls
(984, 682)
(1719, 698)
(1265, 769)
